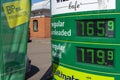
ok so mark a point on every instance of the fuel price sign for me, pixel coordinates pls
(85, 39)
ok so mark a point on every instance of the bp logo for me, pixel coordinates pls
(16, 12)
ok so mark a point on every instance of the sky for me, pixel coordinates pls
(35, 1)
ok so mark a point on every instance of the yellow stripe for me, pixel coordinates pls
(86, 15)
(88, 69)
(62, 73)
(92, 43)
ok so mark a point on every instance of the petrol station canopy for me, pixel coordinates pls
(41, 5)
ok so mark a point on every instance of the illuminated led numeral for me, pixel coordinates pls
(83, 28)
(110, 25)
(110, 55)
(101, 56)
(91, 51)
(90, 29)
(101, 29)
(83, 54)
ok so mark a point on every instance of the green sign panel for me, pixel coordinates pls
(85, 39)
(14, 21)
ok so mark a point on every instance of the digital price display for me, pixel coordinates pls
(96, 28)
(95, 56)
(85, 39)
